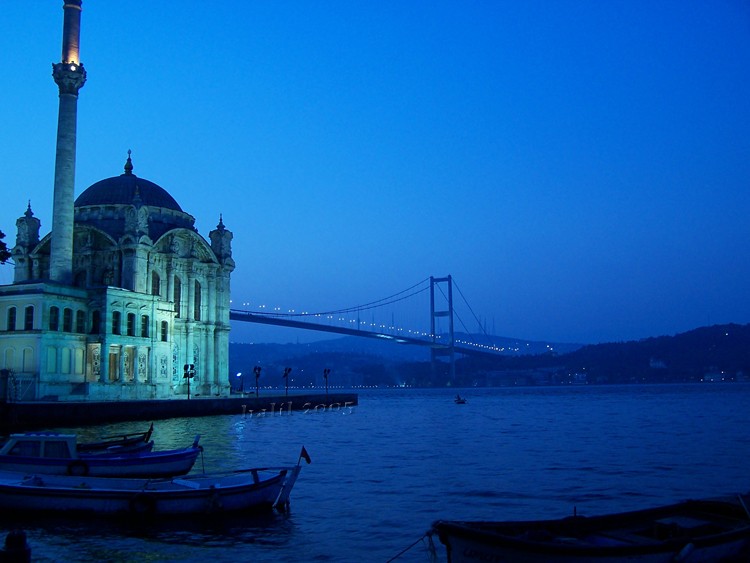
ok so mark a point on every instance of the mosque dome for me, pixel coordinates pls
(125, 189)
(127, 204)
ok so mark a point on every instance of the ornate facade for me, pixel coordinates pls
(149, 295)
(123, 299)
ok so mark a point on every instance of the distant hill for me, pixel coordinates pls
(719, 352)
(715, 353)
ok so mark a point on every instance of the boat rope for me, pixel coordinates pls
(742, 503)
(430, 548)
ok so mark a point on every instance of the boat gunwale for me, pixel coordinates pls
(468, 531)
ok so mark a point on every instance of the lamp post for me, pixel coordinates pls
(241, 385)
(256, 370)
(188, 375)
(326, 371)
(286, 380)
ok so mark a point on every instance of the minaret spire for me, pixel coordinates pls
(70, 77)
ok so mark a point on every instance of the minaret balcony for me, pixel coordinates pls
(69, 77)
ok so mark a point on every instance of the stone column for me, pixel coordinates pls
(211, 355)
(211, 293)
(190, 293)
(136, 351)
(104, 359)
(168, 296)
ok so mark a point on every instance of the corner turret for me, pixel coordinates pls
(221, 244)
(27, 237)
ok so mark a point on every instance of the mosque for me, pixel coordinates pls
(123, 299)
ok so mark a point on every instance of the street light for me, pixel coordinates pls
(286, 380)
(256, 369)
(241, 386)
(189, 374)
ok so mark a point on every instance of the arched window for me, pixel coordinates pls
(131, 324)
(28, 320)
(80, 322)
(144, 326)
(155, 283)
(54, 318)
(177, 296)
(11, 319)
(116, 322)
(67, 319)
(164, 331)
(197, 301)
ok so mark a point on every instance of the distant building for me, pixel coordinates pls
(122, 293)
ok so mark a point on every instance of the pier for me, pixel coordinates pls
(15, 417)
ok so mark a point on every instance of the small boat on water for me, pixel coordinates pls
(244, 490)
(693, 530)
(58, 454)
(459, 400)
(121, 443)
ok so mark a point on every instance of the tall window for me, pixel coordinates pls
(155, 284)
(177, 296)
(11, 318)
(67, 320)
(28, 321)
(197, 301)
(80, 322)
(131, 324)
(144, 326)
(54, 318)
(116, 322)
(96, 322)
(164, 331)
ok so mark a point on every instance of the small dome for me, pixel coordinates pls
(124, 190)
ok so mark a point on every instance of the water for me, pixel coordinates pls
(383, 471)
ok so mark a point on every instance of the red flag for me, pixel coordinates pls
(304, 454)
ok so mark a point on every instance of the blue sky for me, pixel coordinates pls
(580, 167)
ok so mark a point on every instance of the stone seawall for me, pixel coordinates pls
(16, 417)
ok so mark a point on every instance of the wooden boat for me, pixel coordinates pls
(694, 530)
(121, 443)
(57, 454)
(245, 490)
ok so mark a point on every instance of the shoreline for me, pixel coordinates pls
(18, 417)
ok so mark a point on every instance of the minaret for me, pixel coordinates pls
(70, 76)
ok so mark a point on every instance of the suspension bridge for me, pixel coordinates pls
(439, 336)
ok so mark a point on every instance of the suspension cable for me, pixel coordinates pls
(482, 328)
(371, 305)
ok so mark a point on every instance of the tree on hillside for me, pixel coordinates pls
(4, 252)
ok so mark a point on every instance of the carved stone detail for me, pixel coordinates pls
(69, 77)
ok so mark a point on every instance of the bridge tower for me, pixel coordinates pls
(441, 348)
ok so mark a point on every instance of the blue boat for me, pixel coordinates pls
(131, 443)
(58, 454)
